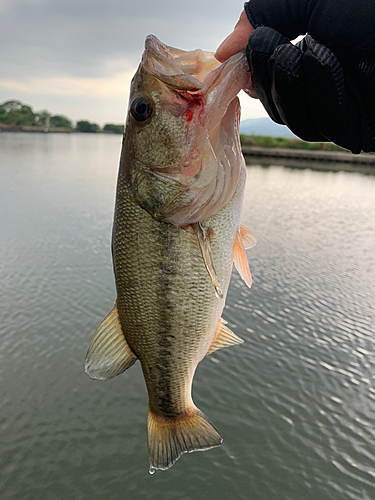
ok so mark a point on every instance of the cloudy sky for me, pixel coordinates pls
(76, 57)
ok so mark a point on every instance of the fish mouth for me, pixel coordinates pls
(203, 94)
(179, 69)
(208, 86)
(196, 71)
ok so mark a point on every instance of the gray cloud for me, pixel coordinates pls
(76, 57)
(80, 37)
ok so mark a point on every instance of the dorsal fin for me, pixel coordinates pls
(244, 237)
(223, 338)
(108, 354)
(204, 245)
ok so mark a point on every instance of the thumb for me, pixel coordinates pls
(236, 41)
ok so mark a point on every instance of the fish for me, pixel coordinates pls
(176, 234)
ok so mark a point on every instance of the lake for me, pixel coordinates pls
(295, 403)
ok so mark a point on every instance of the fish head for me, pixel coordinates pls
(181, 153)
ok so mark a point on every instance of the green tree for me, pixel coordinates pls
(59, 121)
(115, 129)
(265, 141)
(12, 105)
(25, 116)
(3, 114)
(42, 118)
(85, 126)
(18, 113)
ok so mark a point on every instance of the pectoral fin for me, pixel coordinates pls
(244, 239)
(223, 338)
(248, 237)
(108, 354)
(204, 245)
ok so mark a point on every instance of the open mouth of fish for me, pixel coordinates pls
(201, 116)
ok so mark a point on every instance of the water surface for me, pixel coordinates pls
(295, 403)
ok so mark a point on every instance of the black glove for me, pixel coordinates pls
(320, 95)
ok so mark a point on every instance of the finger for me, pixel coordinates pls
(236, 41)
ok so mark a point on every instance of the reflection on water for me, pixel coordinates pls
(295, 403)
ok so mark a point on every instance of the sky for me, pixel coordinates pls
(77, 57)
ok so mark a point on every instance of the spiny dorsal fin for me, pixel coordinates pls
(204, 245)
(108, 354)
(240, 257)
(248, 238)
(223, 338)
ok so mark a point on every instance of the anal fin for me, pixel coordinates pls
(244, 239)
(223, 338)
(108, 354)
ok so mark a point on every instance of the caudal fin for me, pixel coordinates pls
(169, 438)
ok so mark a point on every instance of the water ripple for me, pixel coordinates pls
(295, 403)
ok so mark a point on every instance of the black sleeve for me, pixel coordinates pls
(323, 87)
(341, 25)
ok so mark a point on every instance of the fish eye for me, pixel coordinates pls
(141, 109)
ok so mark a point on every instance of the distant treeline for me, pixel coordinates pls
(17, 114)
(281, 142)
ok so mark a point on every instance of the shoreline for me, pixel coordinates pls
(313, 159)
(33, 129)
(254, 155)
(28, 128)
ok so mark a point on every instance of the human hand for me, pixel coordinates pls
(322, 87)
(307, 88)
(235, 42)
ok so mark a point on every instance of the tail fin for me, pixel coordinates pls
(169, 438)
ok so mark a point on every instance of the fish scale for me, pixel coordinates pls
(175, 237)
(154, 305)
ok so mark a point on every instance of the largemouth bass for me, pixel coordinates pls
(176, 234)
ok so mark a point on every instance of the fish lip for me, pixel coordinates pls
(196, 73)
(152, 42)
(180, 69)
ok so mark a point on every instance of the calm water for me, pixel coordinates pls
(295, 403)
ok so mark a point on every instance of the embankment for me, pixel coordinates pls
(316, 160)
